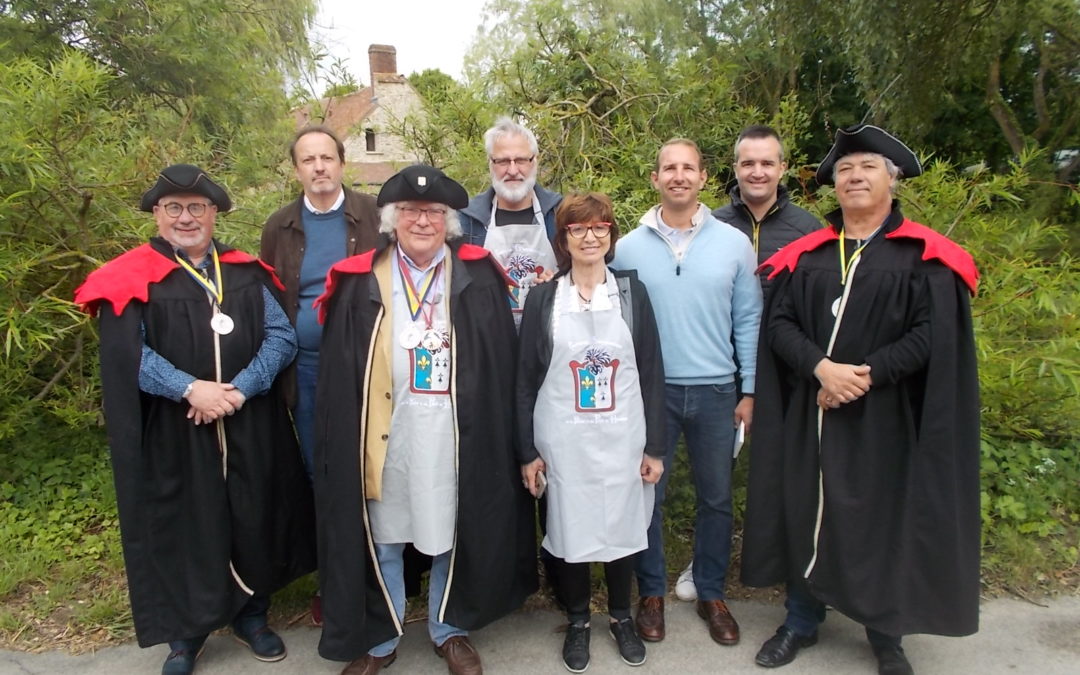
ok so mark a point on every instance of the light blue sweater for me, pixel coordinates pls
(707, 304)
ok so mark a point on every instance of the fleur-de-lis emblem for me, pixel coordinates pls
(423, 362)
(587, 382)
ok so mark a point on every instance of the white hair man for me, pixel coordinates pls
(418, 336)
(515, 217)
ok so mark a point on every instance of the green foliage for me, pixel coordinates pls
(96, 98)
(55, 509)
(980, 79)
(1030, 492)
(604, 84)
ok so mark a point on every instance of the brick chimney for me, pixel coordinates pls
(382, 59)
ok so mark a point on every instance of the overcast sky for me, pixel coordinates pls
(426, 33)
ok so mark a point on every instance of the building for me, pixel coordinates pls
(365, 120)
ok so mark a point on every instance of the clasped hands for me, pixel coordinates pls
(841, 383)
(212, 400)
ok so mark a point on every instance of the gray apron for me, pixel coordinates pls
(419, 482)
(589, 423)
(523, 251)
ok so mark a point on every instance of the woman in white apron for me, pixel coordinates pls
(590, 412)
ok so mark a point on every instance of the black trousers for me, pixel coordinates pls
(574, 589)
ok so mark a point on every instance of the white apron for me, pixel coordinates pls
(589, 423)
(419, 482)
(523, 251)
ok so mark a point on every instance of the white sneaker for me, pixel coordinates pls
(685, 589)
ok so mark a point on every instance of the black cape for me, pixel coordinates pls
(898, 549)
(494, 561)
(181, 522)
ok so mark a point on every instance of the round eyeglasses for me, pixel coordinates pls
(174, 209)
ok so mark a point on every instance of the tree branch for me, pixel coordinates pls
(999, 109)
(76, 354)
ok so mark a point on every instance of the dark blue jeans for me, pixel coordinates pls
(705, 415)
(307, 375)
(805, 612)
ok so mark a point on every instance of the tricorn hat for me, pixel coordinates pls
(423, 183)
(868, 138)
(185, 179)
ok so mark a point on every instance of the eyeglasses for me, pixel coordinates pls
(174, 209)
(503, 162)
(435, 215)
(599, 230)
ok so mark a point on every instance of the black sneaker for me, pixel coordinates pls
(631, 648)
(575, 648)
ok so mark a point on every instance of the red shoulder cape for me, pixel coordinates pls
(935, 246)
(361, 264)
(128, 277)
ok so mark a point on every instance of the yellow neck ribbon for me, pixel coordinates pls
(216, 290)
(414, 296)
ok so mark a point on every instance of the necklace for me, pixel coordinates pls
(586, 303)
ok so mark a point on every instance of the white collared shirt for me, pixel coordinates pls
(334, 207)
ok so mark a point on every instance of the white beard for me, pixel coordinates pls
(517, 192)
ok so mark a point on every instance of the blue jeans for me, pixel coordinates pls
(393, 573)
(307, 375)
(705, 415)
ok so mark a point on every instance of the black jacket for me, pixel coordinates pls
(536, 349)
(783, 224)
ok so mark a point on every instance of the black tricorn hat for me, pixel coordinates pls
(185, 179)
(423, 183)
(868, 138)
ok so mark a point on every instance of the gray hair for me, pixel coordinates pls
(504, 126)
(890, 166)
(388, 220)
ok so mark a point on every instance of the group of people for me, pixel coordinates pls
(446, 362)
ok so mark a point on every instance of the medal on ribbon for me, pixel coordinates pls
(221, 323)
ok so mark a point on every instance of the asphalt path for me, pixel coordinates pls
(1014, 637)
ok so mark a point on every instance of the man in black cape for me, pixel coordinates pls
(864, 472)
(414, 435)
(215, 511)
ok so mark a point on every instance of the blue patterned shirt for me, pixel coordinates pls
(159, 377)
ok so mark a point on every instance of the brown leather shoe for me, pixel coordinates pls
(461, 657)
(369, 665)
(723, 628)
(650, 618)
